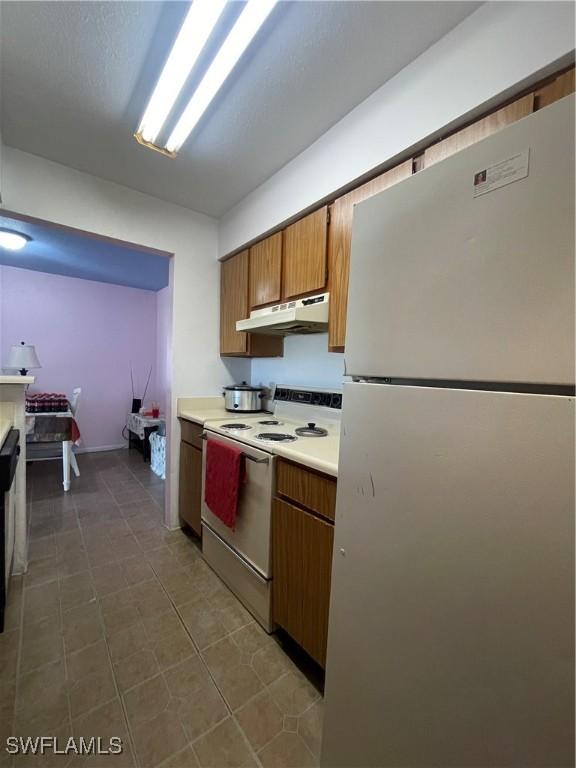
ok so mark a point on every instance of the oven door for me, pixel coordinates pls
(251, 537)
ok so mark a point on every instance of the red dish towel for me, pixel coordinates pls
(225, 474)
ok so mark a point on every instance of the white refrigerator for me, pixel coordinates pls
(451, 639)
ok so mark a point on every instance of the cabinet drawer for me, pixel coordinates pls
(191, 433)
(311, 489)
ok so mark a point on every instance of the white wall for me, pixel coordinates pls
(306, 362)
(493, 53)
(163, 345)
(36, 187)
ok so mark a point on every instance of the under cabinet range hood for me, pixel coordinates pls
(308, 315)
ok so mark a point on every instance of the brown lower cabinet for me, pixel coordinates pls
(302, 543)
(190, 480)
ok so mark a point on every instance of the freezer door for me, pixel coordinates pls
(451, 638)
(445, 285)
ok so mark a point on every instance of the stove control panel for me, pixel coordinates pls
(309, 397)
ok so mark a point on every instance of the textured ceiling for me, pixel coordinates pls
(76, 78)
(67, 252)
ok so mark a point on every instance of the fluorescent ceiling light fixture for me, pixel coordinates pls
(195, 31)
(247, 25)
(13, 241)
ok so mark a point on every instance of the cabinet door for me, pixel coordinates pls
(190, 486)
(302, 563)
(266, 271)
(317, 541)
(304, 259)
(233, 304)
(287, 584)
(339, 240)
(561, 86)
(479, 130)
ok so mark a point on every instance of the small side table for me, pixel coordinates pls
(139, 430)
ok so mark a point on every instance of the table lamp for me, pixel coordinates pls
(23, 356)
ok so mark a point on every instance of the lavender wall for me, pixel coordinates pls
(85, 334)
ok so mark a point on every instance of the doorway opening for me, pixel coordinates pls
(97, 314)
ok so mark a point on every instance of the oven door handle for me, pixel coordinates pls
(246, 455)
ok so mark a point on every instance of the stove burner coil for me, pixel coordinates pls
(276, 437)
(235, 425)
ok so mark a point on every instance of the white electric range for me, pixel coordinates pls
(241, 557)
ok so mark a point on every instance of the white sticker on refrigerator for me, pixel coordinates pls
(499, 174)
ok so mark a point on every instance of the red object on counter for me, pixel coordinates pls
(225, 475)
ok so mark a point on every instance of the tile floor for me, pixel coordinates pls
(119, 628)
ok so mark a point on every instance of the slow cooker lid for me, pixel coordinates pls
(243, 388)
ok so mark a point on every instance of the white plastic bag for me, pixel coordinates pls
(158, 454)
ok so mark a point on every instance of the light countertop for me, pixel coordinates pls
(17, 379)
(317, 453)
(200, 417)
(320, 454)
(5, 427)
(202, 409)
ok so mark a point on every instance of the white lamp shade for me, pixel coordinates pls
(23, 356)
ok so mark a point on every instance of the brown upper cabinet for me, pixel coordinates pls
(233, 304)
(339, 241)
(234, 287)
(561, 86)
(266, 271)
(308, 256)
(479, 130)
(304, 257)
